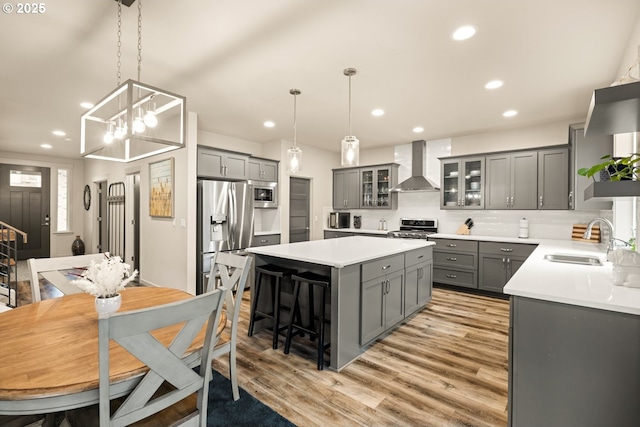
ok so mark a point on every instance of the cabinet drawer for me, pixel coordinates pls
(417, 256)
(336, 234)
(266, 240)
(455, 245)
(468, 279)
(381, 267)
(455, 259)
(515, 249)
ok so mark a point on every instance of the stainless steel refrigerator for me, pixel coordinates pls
(225, 222)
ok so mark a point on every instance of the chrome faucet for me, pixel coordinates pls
(587, 234)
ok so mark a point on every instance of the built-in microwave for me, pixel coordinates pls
(339, 219)
(265, 194)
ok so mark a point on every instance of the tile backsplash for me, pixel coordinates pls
(543, 224)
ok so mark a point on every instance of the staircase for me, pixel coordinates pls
(8, 265)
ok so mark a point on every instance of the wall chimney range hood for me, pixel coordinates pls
(417, 181)
(614, 109)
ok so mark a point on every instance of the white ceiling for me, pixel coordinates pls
(235, 61)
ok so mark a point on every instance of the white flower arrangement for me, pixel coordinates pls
(107, 278)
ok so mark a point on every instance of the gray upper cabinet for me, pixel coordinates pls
(263, 169)
(553, 179)
(462, 183)
(511, 180)
(584, 153)
(346, 188)
(375, 183)
(222, 164)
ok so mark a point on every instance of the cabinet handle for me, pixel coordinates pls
(504, 263)
(540, 201)
(451, 276)
(570, 199)
(452, 258)
(420, 273)
(506, 249)
(386, 266)
(507, 201)
(420, 256)
(451, 245)
(511, 201)
(222, 170)
(263, 241)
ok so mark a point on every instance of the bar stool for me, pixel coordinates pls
(314, 281)
(275, 274)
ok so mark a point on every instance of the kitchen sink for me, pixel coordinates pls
(574, 259)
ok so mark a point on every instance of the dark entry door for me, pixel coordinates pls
(299, 189)
(24, 204)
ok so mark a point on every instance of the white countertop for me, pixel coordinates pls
(359, 230)
(341, 252)
(581, 285)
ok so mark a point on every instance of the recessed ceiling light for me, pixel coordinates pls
(494, 84)
(58, 133)
(418, 129)
(86, 105)
(510, 113)
(377, 112)
(47, 146)
(464, 33)
(269, 124)
(68, 139)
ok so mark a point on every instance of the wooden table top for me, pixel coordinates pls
(50, 348)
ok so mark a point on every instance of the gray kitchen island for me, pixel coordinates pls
(375, 284)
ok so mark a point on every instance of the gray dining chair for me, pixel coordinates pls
(230, 271)
(166, 394)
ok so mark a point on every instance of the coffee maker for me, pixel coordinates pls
(357, 221)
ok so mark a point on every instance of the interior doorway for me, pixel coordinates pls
(101, 216)
(299, 209)
(25, 205)
(132, 226)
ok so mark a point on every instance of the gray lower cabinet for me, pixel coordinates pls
(214, 163)
(382, 296)
(572, 366)
(499, 261)
(346, 189)
(328, 234)
(266, 240)
(418, 280)
(455, 262)
(553, 179)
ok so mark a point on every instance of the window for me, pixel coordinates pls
(63, 200)
(25, 179)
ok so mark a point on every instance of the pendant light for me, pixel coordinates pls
(350, 144)
(135, 120)
(294, 154)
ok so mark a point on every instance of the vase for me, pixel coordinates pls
(108, 304)
(77, 247)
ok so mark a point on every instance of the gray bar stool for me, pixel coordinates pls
(323, 283)
(275, 274)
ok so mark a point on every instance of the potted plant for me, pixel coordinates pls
(614, 168)
(105, 280)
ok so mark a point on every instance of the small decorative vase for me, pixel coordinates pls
(109, 304)
(77, 247)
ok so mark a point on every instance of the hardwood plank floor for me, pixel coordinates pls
(446, 366)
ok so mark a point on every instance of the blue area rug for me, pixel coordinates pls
(246, 411)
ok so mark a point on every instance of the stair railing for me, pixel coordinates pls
(9, 259)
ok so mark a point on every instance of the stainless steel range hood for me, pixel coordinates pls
(614, 109)
(417, 181)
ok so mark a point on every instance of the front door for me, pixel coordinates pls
(299, 189)
(24, 204)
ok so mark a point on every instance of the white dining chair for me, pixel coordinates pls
(230, 271)
(171, 392)
(49, 268)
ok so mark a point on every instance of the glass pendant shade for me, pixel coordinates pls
(108, 135)
(350, 151)
(134, 139)
(150, 118)
(294, 159)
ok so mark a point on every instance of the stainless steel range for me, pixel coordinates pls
(417, 228)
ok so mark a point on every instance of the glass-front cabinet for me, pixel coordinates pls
(462, 184)
(375, 183)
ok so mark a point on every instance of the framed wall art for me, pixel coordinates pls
(161, 178)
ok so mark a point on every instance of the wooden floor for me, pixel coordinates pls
(446, 366)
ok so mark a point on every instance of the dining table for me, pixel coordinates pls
(49, 351)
